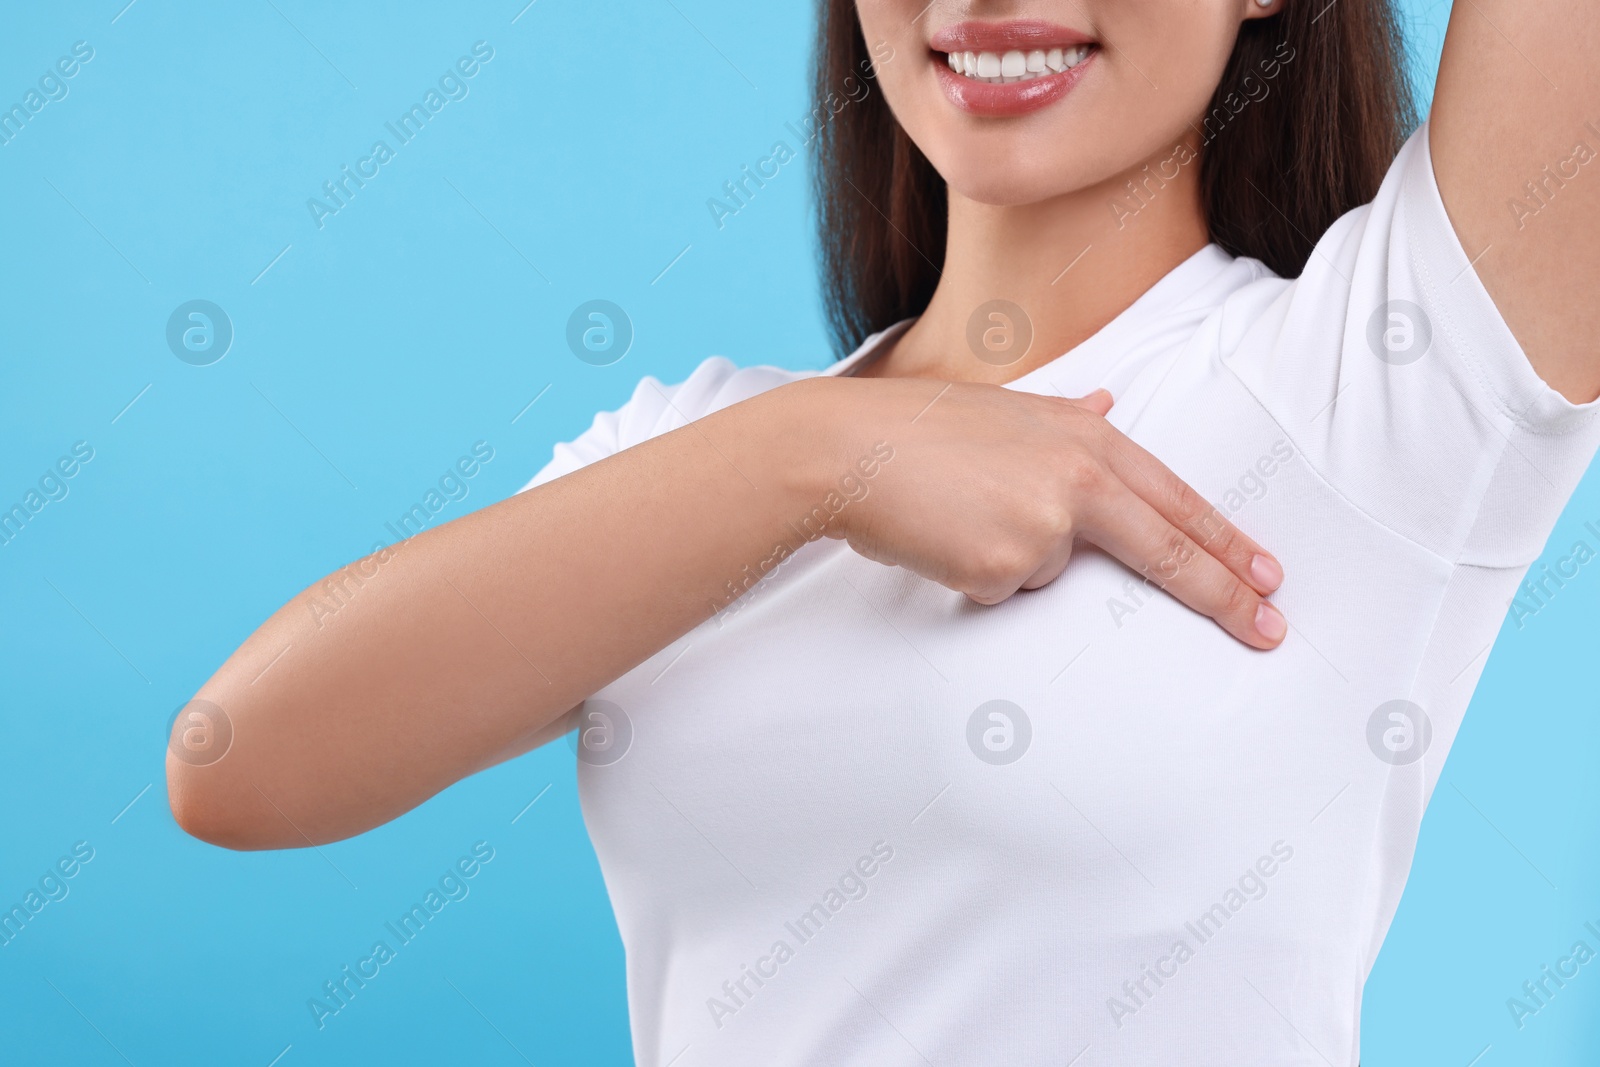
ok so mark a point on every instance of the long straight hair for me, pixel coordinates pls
(1309, 114)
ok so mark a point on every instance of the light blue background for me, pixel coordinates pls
(372, 352)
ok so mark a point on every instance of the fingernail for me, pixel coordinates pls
(1266, 572)
(1270, 622)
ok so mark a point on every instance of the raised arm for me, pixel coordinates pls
(1515, 134)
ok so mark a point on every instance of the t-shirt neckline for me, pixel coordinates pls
(1173, 288)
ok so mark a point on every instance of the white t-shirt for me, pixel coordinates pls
(857, 819)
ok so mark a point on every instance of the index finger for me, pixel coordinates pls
(1177, 502)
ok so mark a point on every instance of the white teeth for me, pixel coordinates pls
(1014, 66)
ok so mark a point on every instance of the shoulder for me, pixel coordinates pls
(656, 408)
(1391, 369)
(715, 384)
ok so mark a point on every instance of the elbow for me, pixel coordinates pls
(265, 794)
(208, 805)
(210, 784)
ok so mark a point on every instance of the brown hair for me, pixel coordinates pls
(1275, 170)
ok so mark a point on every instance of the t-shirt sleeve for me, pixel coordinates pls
(1391, 368)
(655, 409)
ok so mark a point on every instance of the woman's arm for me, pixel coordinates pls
(475, 638)
(1515, 134)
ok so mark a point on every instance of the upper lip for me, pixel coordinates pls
(1016, 35)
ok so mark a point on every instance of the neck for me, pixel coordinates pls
(1071, 263)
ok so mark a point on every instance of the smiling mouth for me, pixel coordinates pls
(1003, 68)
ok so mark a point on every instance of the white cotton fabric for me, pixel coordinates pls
(807, 754)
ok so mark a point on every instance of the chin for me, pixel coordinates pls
(1012, 162)
(1035, 161)
(1034, 182)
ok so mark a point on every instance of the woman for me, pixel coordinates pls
(905, 733)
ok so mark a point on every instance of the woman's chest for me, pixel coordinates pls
(842, 702)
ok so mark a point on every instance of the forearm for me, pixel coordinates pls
(475, 638)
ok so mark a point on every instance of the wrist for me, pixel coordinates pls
(825, 451)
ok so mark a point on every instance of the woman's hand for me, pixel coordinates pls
(989, 489)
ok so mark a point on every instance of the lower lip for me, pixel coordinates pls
(1012, 98)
